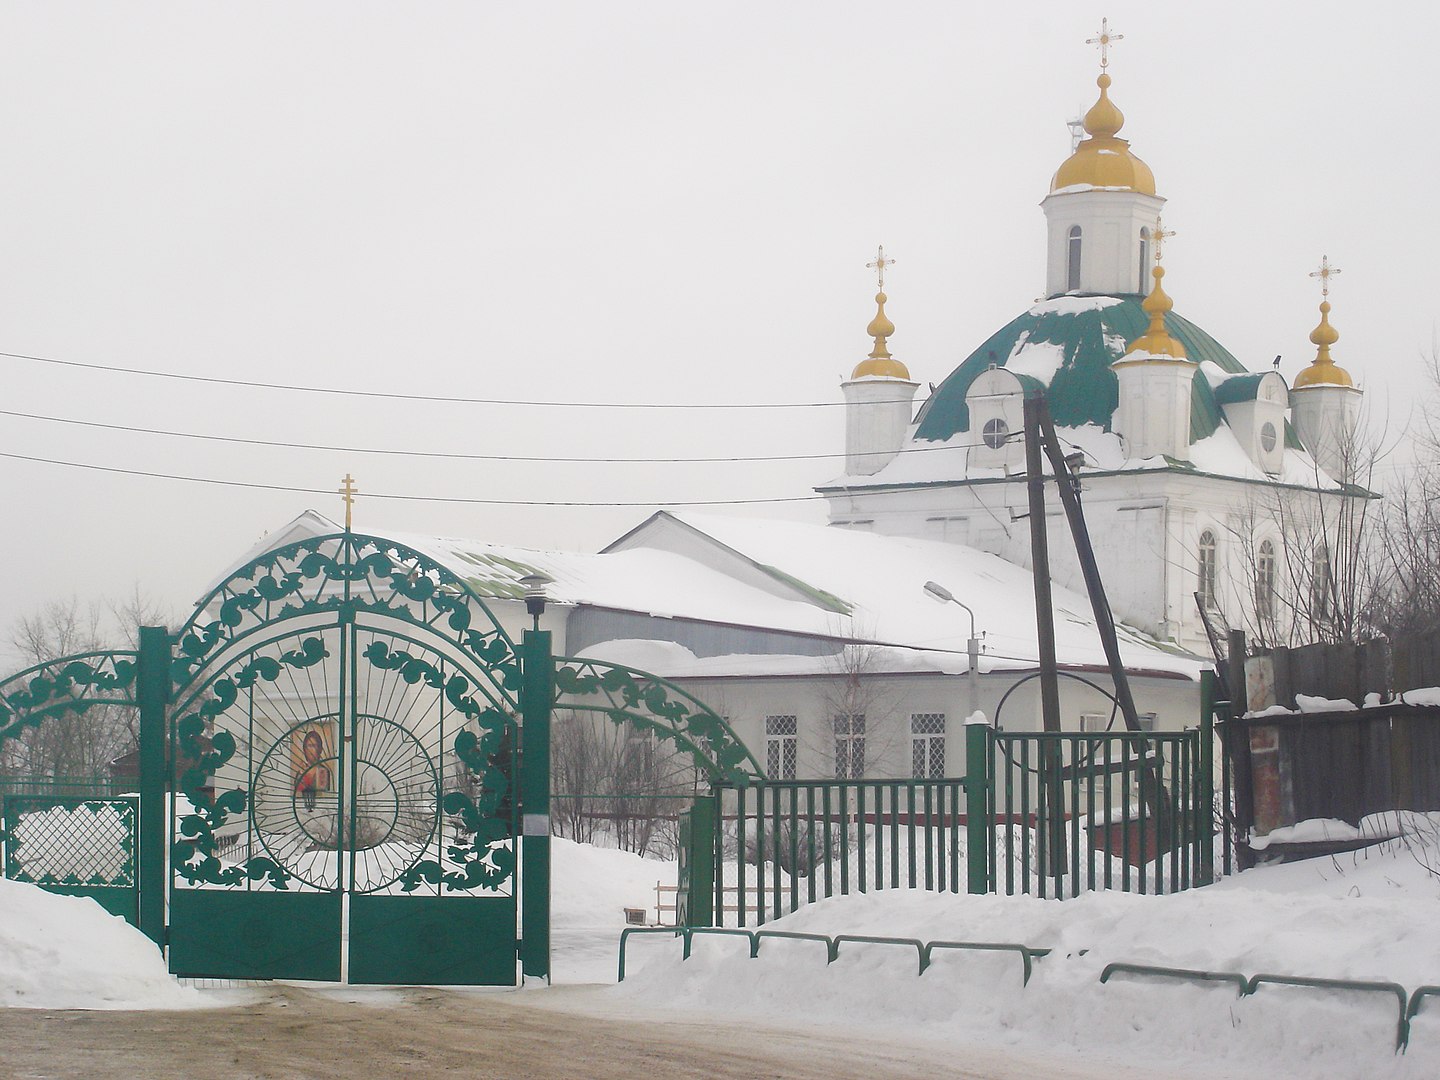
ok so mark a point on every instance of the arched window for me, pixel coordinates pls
(1205, 585)
(1265, 581)
(1072, 273)
(1144, 286)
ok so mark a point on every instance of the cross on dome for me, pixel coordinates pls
(879, 266)
(1325, 273)
(1104, 39)
(1159, 236)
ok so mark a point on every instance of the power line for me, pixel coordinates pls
(392, 396)
(282, 444)
(407, 498)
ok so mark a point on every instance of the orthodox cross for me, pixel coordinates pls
(879, 266)
(1159, 236)
(1325, 273)
(1104, 39)
(349, 491)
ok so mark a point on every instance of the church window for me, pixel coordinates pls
(1072, 273)
(1144, 285)
(995, 433)
(849, 746)
(780, 747)
(1265, 581)
(1205, 585)
(1268, 437)
(927, 745)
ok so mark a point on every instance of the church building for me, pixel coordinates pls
(1204, 483)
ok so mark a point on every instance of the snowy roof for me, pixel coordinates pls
(812, 580)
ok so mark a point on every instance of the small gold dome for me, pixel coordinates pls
(1323, 371)
(1103, 160)
(1156, 341)
(880, 362)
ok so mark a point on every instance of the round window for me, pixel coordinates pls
(995, 433)
(1268, 438)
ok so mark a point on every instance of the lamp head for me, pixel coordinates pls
(936, 591)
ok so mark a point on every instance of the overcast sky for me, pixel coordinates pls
(622, 202)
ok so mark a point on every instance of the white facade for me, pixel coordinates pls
(1153, 419)
(1325, 419)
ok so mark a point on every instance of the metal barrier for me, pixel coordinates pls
(1078, 811)
(796, 841)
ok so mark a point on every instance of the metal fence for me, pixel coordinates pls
(783, 844)
(1048, 813)
(67, 787)
(1074, 812)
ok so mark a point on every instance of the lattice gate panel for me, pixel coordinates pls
(76, 847)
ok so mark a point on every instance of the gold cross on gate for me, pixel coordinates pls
(1104, 39)
(1159, 236)
(1325, 273)
(879, 265)
(349, 491)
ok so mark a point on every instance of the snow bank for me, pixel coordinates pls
(66, 952)
(1376, 922)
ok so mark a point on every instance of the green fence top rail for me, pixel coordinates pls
(1402, 1031)
(1421, 992)
(1189, 974)
(1028, 956)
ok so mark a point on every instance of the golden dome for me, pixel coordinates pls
(1103, 160)
(880, 362)
(1323, 371)
(1156, 341)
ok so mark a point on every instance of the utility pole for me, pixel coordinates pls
(1052, 789)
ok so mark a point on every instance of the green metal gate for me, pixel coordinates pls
(342, 733)
(74, 846)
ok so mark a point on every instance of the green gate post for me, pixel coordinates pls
(695, 900)
(977, 807)
(152, 695)
(536, 695)
(1205, 782)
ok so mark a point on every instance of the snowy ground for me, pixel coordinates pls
(1366, 915)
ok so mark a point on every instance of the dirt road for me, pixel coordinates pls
(297, 1032)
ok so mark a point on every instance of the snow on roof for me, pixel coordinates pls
(884, 578)
(1073, 305)
(813, 580)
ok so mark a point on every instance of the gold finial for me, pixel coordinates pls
(1323, 371)
(1325, 273)
(1156, 341)
(879, 267)
(880, 362)
(349, 491)
(1159, 236)
(1104, 39)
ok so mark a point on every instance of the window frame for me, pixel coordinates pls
(1074, 240)
(927, 747)
(1207, 570)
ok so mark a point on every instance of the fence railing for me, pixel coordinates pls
(65, 787)
(1049, 813)
(793, 842)
(1078, 811)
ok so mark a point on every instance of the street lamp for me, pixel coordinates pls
(936, 591)
(534, 586)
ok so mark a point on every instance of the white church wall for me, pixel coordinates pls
(1110, 224)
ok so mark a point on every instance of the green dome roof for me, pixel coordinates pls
(1083, 389)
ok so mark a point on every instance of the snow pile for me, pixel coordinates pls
(1366, 916)
(66, 952)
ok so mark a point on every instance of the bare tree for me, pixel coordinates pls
(616, 783)
(77, 744)
(860, 723)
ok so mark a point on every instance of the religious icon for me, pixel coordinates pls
(311, 748)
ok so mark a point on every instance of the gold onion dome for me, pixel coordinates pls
(1103, 160)
(880, 362)
(1323, 371)
(1156, 341)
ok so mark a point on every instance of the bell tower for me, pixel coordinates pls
(1102, 204)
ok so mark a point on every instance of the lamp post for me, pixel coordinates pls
(936, 591)
(534, 586)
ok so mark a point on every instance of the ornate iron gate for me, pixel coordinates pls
(76, 847)
(343, 724)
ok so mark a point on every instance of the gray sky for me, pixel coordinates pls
(622, 202)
